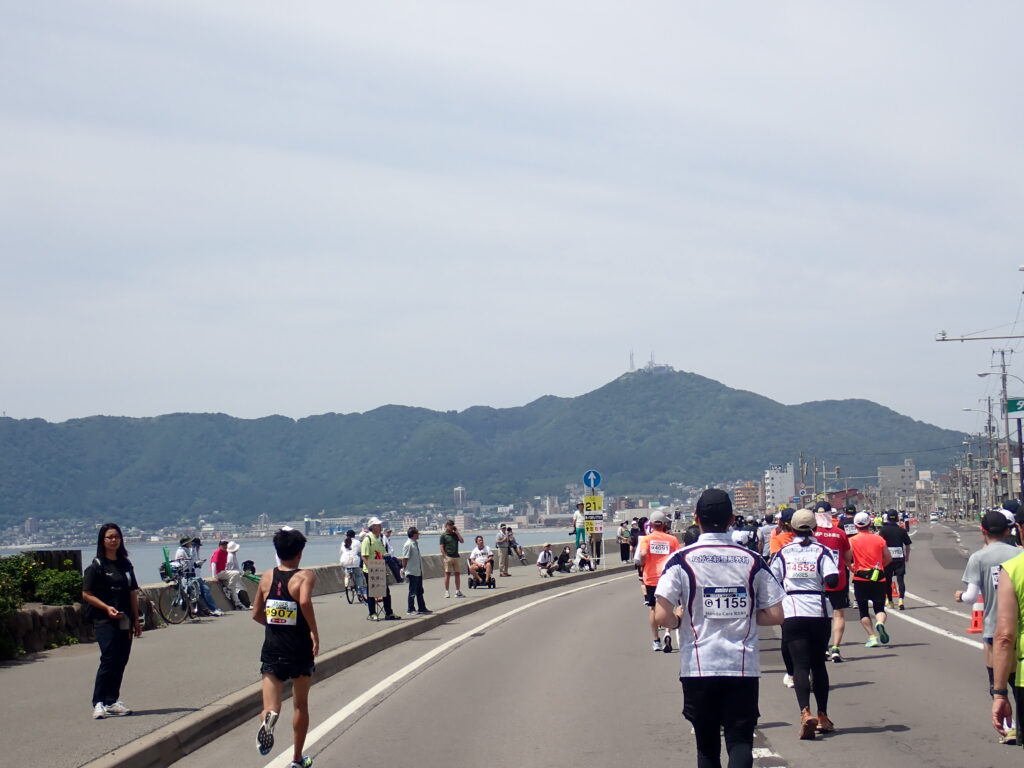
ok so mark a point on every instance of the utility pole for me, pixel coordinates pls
(1006, 425)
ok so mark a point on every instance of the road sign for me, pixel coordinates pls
(591, 478)
(594, 522)
(593, 504)
(1015, 407)
(803, 491)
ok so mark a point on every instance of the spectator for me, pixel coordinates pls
(389, 557)
(501, 544)
(230, 581)
(450, 540)
(622, 537)
(412, 563)
(579, 524)
(634, 537)
(546, 561)
(513, 546)
(111, 591)
(372, 548)
(565, 560)
(187, 563)
(481, 562)
(583, 559)
(350, 558)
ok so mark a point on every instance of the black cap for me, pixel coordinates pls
(786, 515)
(892, 515)
(851, 508)
(714, 506)
(1012, 505)
(995, 522)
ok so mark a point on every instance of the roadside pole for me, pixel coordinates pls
(593, 516)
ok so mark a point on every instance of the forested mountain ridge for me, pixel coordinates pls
(643, 430)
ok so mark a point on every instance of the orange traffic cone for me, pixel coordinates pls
(977, 616)
(894, 591)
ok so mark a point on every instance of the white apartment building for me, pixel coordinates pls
(779, 484)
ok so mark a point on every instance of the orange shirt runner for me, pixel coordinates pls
(869, 551)
(656, 548)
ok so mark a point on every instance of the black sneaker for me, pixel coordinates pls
(392, 617)
(265, 735)
(667, 644)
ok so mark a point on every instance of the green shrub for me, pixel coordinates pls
(58, 587)
(20, 572)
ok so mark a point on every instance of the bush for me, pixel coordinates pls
(18, 574)
(58, 587)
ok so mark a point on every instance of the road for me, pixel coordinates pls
(571, 678)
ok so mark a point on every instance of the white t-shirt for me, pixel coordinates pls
(803, 569)
(546, 557)
(481, 556)
(579, 520)
(720, 586)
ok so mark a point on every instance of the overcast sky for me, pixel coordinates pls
(259, 208)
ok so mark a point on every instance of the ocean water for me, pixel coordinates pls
(320, 550)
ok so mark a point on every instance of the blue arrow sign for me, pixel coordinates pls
(591, 478)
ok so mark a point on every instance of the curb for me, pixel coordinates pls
(182, 737)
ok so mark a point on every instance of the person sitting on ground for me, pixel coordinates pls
(230, 580)
(565, 560)
(546, 561)
(481, 562)
(583, 559)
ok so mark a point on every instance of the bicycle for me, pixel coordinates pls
(181, 602)
(352, 592)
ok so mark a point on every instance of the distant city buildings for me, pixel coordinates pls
(897, 485)
(779, 484)
(747, 497)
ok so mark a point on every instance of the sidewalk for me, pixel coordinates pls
(176, 671)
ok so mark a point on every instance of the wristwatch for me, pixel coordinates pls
(999, 691)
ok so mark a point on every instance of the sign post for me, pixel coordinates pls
(1015, 410)
(593, 514)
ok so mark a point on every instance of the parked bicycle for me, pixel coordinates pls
(182, 601)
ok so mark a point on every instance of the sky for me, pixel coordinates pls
(260, 208)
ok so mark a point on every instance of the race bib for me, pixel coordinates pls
(726, 603)
(282, 613)
(995, 576)
(804, 570)
(850, 529)
(660, 548)
(896, 552)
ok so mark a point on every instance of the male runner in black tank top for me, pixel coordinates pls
(284, 604)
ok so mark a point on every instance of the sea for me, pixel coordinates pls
(320, 550)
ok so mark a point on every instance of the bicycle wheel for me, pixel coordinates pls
(172, 605)
(350, 594)
(192, 595)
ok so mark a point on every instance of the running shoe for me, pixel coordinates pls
(391, 617)
(808, 724)
(413, 613)
(901, 605)
(265, 735)
(833, 655)
(458, 593)
(425, 612)
(305, 762)
(882, 634)
(447, 593)
(787, 680)
(1010, 738)
(118, 709)
(655, 645)
(667, 645)
(99, 711)
(872, 642)
(825, 725)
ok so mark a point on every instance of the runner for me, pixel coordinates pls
(652, 552)
(846, 520)
(981, 576)
(284, 604)
(898, 541)
(783, 534)
(717, 593)
(764, 534)
(870, 557)
(834, 537)
(805, 568)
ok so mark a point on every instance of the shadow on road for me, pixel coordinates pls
(856, 684)
(848, 659)
(895, 728)
(168, 711)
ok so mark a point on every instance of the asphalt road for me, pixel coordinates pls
(570, 678)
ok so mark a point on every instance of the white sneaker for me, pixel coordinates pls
(118, 709)
(447, 593)
(99, 711)
(655, 645)
(458, 593)
(787, 680)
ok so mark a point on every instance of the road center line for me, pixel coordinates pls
(356, 704)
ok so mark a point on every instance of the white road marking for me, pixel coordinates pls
(930, 604)
(356, 704)
(764, 752)
(936, 630)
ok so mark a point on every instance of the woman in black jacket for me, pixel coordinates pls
(111, 592)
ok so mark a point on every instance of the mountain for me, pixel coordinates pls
(643, 430)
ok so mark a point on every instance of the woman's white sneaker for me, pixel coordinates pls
(99, 711)
(118, 709)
